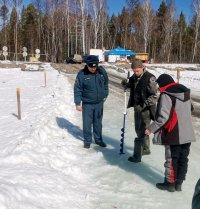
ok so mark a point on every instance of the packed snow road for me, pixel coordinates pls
(137, 188)
(43, 163)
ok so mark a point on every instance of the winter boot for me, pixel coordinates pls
(87, 146)
(146, 147)
(170, 187)
(137, 155)
(178, 185)
(101, 143)
(134, 159)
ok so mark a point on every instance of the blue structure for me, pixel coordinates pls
(121, 51)
(119, 54)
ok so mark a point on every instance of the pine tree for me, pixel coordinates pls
(30, 26)
(159, 30)
(4, 15)
(182, 28)
(12, 32)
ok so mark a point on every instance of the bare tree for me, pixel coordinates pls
(146, 18)
(98, 7)
(68, 25)
(168, 30)
(55, 23)
(112, 31)
(83, 18)
(133, 3)
(103, 25)
(39, 5)
(196, 7)
(16, 4)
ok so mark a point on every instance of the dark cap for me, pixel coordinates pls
(92, 60)
(164, 79)
(137, 64)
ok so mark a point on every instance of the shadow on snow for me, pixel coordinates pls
(144, 170)
(70, 127)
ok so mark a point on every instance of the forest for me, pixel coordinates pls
(60, 28)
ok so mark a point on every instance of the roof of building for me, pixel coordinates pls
(120, 51)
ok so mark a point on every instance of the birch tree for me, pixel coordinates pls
(83, 7)
(196, 7)
(133, 3)
(98, 7)
(55, 22)
(16, 4)
(145, 18)
(68, 25)
(168, 30)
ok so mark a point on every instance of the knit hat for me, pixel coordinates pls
(92, 60)
(164, 79)
(137, 64)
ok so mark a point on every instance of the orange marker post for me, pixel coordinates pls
(18, 103)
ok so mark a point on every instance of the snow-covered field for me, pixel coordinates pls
(44, 166)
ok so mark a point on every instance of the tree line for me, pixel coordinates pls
(60, 28)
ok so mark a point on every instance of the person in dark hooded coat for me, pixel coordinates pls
(196, 196)
(173, 129)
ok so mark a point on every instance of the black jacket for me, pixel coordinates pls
(143, 90)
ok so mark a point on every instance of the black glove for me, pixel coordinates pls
(124, 83)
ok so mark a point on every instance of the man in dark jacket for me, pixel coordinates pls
(143, 98)
(196, 196)
(173, 128)
(90, 92)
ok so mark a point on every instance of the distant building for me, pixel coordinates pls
(99, 53)
(142, 56)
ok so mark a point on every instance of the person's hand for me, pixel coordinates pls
(79, 108)
(147, 132)
(124, 83)
(138, 108)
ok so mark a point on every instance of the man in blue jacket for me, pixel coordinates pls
(90, 92)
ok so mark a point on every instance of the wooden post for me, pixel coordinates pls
(18, 103)
(45, 79)
(178, 75)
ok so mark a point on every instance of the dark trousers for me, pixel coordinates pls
(141, 143)
(92, 120)
(142, 121)
(176, 164)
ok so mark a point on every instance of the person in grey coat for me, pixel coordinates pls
(196, 196)
(90, 93)
(143, 98)
(173, 129)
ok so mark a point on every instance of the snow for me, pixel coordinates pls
(44, 166)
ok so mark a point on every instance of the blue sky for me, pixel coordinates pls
(115, 6)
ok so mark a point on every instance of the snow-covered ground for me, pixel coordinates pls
(44, 166)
